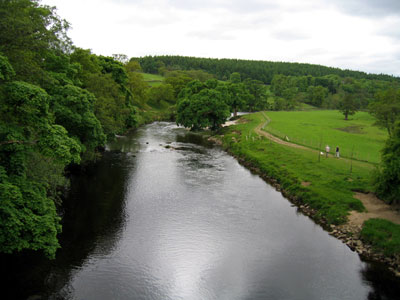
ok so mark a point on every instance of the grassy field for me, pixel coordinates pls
(325, 184)
(328, 127)
(330, 184)
(153, 79)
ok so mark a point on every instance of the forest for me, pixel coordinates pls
(60, 104)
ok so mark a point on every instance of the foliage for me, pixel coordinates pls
(348, 105)
(383, 235)
(386, 109)
(257, 98)
(259, 70)
(387, 179)
(73, 109)
(27, 210)
(316, 95)
(114, 89)
(28, 33)
(6, 70)
(161, 92)
(203, 109)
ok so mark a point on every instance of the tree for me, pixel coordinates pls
(387, 180)
(28, 217)
(316, 95)
(386, 109)
(235, 77)
(257, 99)
(73, 109)
(28, 33)
(161, 92)
(348, 105)
(204, 109)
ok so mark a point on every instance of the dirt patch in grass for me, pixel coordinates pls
(375, 208)
(305, 183)
(352, 129)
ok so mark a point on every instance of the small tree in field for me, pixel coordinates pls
(349, 105)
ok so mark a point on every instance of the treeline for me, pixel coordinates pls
(259, 70)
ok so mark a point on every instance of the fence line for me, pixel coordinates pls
(314, 144)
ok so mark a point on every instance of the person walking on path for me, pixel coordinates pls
(327, 149)
(337, 152)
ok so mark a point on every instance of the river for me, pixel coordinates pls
(163, 215)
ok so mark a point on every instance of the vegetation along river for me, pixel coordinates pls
(165, 216)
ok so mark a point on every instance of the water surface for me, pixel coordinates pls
(170, 217)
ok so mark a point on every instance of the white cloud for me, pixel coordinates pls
(345, 34)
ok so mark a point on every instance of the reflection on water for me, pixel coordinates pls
(171, 217)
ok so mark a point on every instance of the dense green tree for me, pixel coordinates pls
(28, 218)
(387, 180)
(235, 77)
(177, 81)
(162, 92)
(348, 105)
(138, 88)
(73, 109)
(257, 98)
(201, 110)
(316, 95)
(28, 33)
(386, 109)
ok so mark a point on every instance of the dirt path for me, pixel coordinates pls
(375, 208)
(259, 130)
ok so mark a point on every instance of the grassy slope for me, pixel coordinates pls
(153, 79)
(149, 112)
(311, 127)
(331, 184)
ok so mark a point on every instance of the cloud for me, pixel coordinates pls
(289, 35)
(370, 8)
(351, 34)
(210, 35)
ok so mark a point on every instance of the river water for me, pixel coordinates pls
(165, 216)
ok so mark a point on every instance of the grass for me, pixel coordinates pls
(151, 112)
(383, 235)
(331, 183)
(153, 79)
(328, 127)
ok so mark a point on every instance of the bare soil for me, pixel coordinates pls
(375, 208)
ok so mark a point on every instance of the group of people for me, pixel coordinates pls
(327, 149)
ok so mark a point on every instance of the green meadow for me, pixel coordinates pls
(325, 184)
(328, 127)
(153, 79)
(330, 181)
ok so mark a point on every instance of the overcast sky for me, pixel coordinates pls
(352, 34)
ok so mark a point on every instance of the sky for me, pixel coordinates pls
(361, 35)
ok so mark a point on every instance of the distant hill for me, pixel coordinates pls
(260, 70)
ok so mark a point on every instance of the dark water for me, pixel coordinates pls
(188, 222)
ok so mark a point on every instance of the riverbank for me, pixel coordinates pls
(321, 188)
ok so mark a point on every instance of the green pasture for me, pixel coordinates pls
(330, 182)
(152, 79)
(328, 127)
